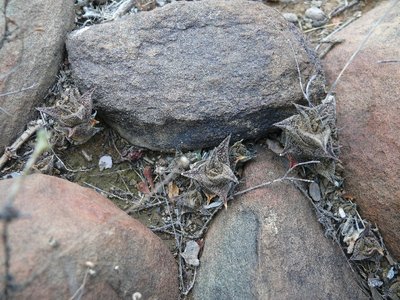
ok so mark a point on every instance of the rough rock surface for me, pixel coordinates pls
(30, 53)
(64, 227)
(369, 117)
(186, 75)
(269, 245)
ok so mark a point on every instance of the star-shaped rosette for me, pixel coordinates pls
(73, 116)
(310, 134)
(75, 111)
(214, 174)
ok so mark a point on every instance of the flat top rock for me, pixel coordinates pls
(191, 64)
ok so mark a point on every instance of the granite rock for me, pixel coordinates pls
(186, 75)
(66, 231)
(368, 116)
(269, 245)
(31, 49)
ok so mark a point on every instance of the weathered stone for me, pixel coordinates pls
(188, 74)
(317, 16)
(30, 53)
(63, 227)
(291, 17)
(369, 117)
(269, 245)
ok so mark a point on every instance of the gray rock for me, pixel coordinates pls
(269, 245)
(290, 17)
(30, 56)
(317, 16)
(188, 74)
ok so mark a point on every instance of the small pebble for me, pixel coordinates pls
(183, 162)
(314, 191)
(190, 255)
(290, 17)
(105, 162)
(342, 214)
(161, 3)
(316, 3)
(315, 14)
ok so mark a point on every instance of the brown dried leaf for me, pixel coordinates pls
(209, 197)
(143, 187)
(173, 190)
(148, 174)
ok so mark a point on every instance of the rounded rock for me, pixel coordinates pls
(188, 74)
(315, 14)
(68, 235)
(291, 17)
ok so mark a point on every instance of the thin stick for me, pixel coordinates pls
(78, 293)
(299, 73)
(362, 44)
(202, 230)
(387, 61)
(19, 91)
(189, 288)
(105, 192)
(156, 189)
(340, 9)
(329, 48)
(4, 111)
(284, 177)
(147, 206)
(326, 39)
(11, 151)
(316, 28)
(177, 241)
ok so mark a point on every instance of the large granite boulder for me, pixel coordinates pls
(186, 75)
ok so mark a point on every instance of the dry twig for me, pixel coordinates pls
(283, 178)
(11, 151)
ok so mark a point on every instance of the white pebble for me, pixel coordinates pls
(105, 162)
(342, 214)
(183, 162)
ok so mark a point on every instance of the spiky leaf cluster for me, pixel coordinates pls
(73, 116)
(214, 174)
(311, 134)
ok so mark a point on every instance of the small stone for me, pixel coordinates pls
(190, 255)
(317, 16)
(105, 162)
(290, 17)
(314, 191)
(183, 162)
(341, 213)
